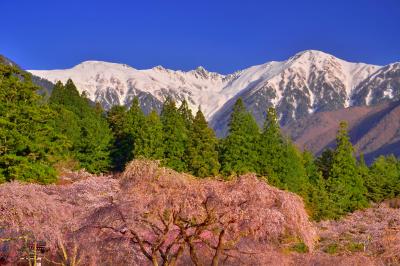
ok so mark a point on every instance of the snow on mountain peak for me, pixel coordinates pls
(307, 71)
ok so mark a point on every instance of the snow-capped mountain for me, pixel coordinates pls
(310, 81)
(117, 84)
(384, 84)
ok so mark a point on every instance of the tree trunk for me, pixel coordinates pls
(218, 250)
(154, 260)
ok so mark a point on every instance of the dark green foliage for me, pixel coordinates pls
(121, 148)
(346, 188)
(186, 114)
(175, 136)
(239, 149)
(317, 198)
(279, 159)
(202, 148)
(383, 179)
(29, 145)
(149, 143)
(133, 127)
(324, 163)
(271, 149)
(293, 174)
(89, 131)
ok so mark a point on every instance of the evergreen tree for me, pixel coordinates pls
(293, 174)
(121, 148)
(279, 159)
(383, 180)
(238, 151)
(186, 114)
(324, 163)
(345, 185)
(92, 146)
(202, 150)
(271, 149)
(150, 143)
(175, 136)
(134, 124)
(29, 145)
(187, 117)
(317, 199)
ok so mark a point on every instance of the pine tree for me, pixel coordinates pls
(202, 150)
(175, 136)
(238, 150)
(346, 188)
(150, 143)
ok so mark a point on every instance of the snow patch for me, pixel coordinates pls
(212, 90)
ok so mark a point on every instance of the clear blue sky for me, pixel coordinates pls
(220, 35)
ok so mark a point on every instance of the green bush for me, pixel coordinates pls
(299, 247)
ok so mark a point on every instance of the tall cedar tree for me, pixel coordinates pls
(271, 149)
(121, 148)
(279, 160)
(293, 174)
(238, 151)
(175, 136)
(202, 148)
(324, 162)
(346, 188)
(317, 199)
(29, 145)
(187, 116)
(149, 144)
(91, 147)
(134, 124)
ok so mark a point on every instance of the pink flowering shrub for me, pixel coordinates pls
(150, 215)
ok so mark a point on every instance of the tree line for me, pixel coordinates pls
(39, 137)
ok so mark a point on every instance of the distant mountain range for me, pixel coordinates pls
(308, 82)
(374, 130)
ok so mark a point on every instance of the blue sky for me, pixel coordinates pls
(222, 36)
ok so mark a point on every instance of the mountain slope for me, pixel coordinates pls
(374, 130)
(382, 85)
(310, 81)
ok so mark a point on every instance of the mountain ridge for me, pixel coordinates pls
(310, 81)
